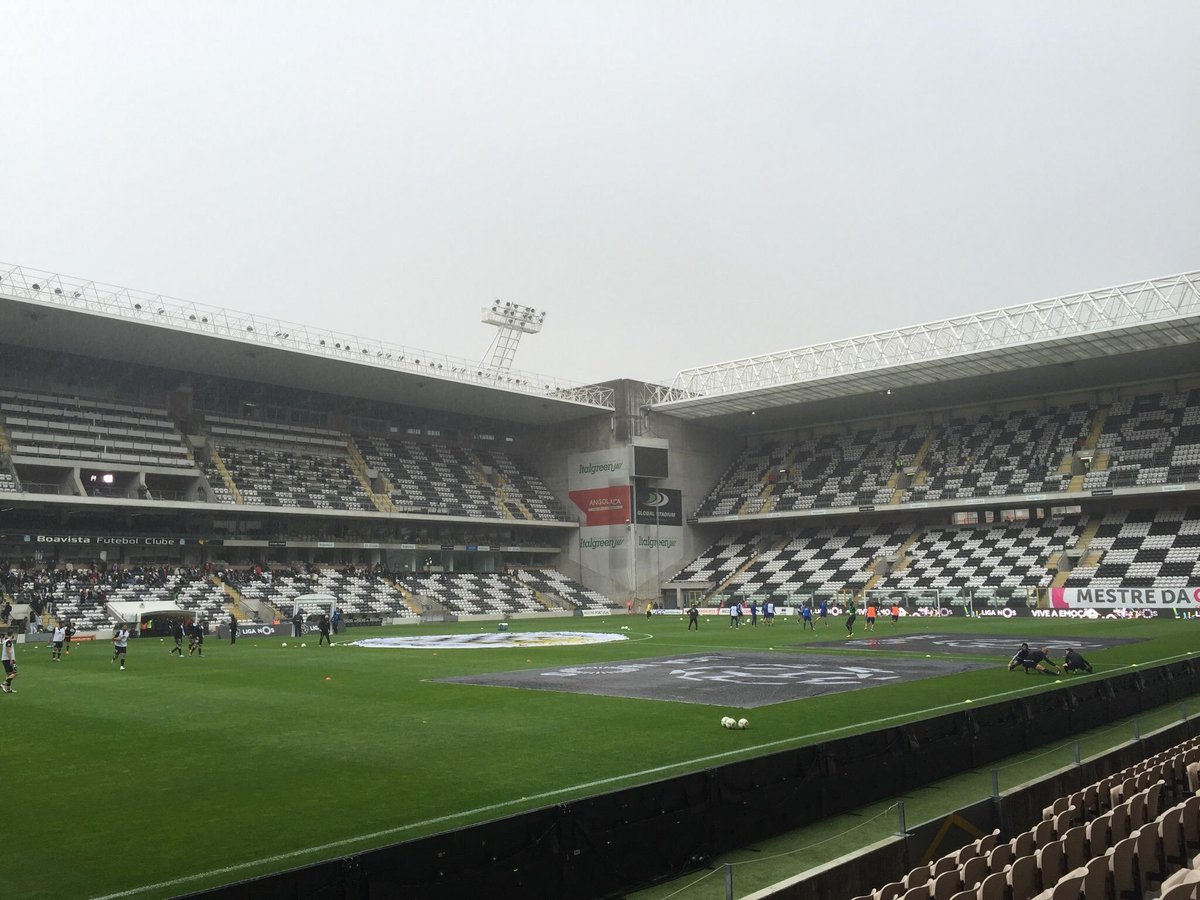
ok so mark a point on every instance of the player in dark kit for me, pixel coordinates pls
(693, 618)
(323, 626)
(69, 633)
(1019, 657)
(233, 626)
(851, 615)
(196, 644)
(1034, 661)
(1074, 662)
(177, 633)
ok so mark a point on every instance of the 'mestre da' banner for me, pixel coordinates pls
(1109, 598)
(598, 485)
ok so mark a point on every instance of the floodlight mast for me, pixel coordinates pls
(511, 320)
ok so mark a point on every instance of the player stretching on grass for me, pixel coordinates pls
(1034, 660)
(1074, 662)
(8, 655)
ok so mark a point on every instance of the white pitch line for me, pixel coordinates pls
(586, 786)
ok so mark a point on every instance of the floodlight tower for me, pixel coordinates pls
(511, 320)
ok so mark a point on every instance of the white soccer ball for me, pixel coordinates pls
(727, 722)
(304, 645)
(285, 643)
(743, 723)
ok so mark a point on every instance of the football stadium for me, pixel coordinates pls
(406, 625)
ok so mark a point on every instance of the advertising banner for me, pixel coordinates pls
(256, 629)
(605, 552)
(1110, 597)
(658, 506)
(105, 540)
(603, 506)
(598, 485)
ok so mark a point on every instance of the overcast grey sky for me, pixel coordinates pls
(677, 183)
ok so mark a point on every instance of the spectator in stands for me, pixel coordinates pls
(1074, 662)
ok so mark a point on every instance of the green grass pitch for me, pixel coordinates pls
(182, 774)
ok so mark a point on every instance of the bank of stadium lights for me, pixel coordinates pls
(511, 320)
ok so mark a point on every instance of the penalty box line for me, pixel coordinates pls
(586, 786)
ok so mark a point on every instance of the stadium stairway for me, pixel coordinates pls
(409, 598)
(777, 544)
(549, 601)
(508, 504)
(240, 608)
(1100, 457)
(917, 461)
(5, 444)
(358, 465)
(902, 551)
(223, 471)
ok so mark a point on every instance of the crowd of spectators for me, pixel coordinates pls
(45, 588)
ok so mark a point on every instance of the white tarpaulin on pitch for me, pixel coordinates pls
(136, 610)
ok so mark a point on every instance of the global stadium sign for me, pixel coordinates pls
(522, 640)
(1131, 597)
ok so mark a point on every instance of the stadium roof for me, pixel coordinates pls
(58, 312)
(1133, 332)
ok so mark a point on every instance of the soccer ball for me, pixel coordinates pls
(304, 645)
(727, 722)
(743, 723)
(285, 643)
